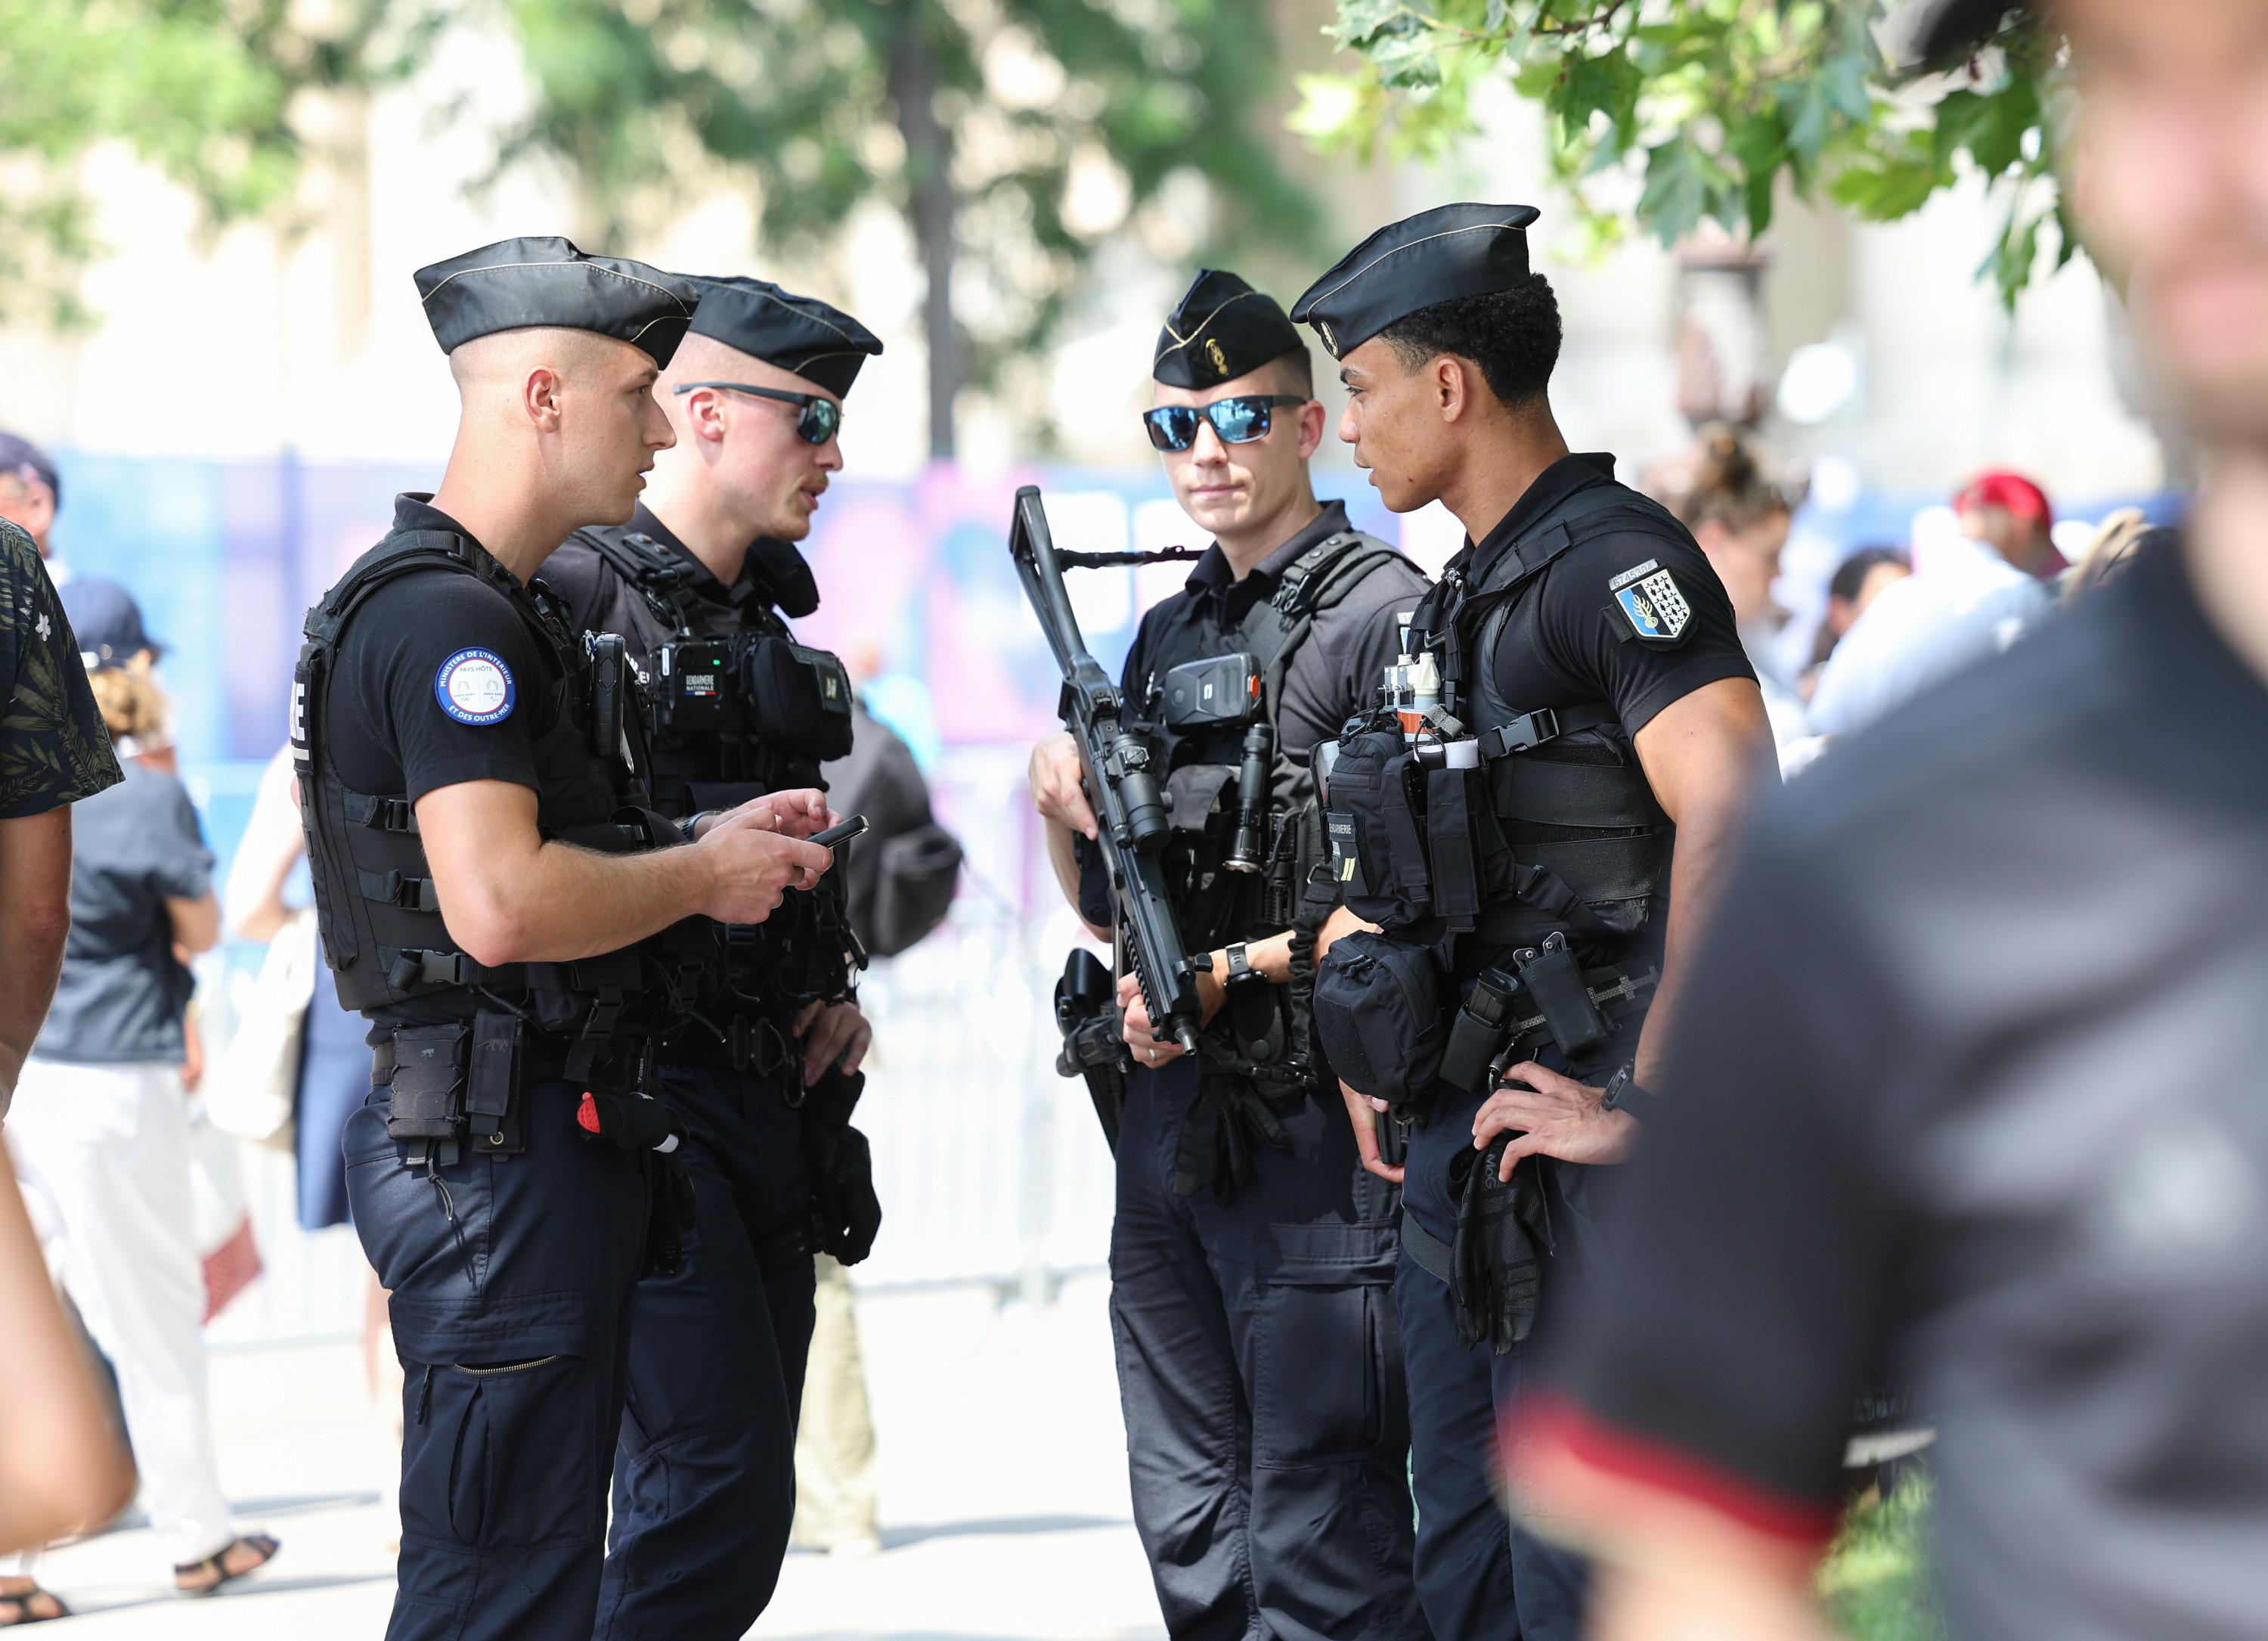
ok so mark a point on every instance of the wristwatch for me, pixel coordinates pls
(1241, 972)
(1625, 1092)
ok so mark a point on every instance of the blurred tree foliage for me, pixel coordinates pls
(207, 90)
(1699, 108)
(1015, 137)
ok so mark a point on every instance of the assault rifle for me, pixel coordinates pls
(1129, 806)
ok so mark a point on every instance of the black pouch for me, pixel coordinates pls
(1378, 845)
(1377, 1014)
(491, 1114)
(798, 700)
(1479, 1031)
(428, 1090)
(1554, 981)
(1456, 812)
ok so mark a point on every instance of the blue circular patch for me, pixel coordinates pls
(474, 687)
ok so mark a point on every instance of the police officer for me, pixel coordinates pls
(488, 900)
(1251, 1256)
(699, 581)
(1575, 697)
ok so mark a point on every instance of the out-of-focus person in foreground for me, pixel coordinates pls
(61, 1467)
(1970, 1078)
(100, 1135)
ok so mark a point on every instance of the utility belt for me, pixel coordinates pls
(760, 1042)
(459, 1086)
(1390, 1031)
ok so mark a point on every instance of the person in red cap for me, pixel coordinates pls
(2010, 515)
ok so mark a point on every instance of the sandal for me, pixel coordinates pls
(16, 1607)
(217, 1564)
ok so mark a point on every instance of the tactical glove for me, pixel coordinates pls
(1503, 1231)
(845, 1214)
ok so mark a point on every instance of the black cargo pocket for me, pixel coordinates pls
(1378, 1011)
(1372, 822)
(517, 1440)
(1321, 1351)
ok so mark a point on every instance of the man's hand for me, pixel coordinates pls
(1142, 1036)
(798, 813)
(1364, 1112)
(754, 866)
(1057, 788)
(833, 1034)
(1561, 1117)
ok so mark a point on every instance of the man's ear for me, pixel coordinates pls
(539, 396)
(1451, 391)
(1311, 428)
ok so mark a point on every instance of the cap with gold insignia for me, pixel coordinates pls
(515, 283)
(1434, 256)
(800, 334)
(1220, 329)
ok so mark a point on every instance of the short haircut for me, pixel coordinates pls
(1295, 372)
(1513, 334)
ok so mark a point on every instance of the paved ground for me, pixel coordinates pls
(1004, 1496)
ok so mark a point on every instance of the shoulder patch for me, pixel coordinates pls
(476, 687)
(1651, 605)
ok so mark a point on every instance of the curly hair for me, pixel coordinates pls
(1513, 334)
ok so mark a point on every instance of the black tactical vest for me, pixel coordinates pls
(733, 709)
(1557, 830)
(1266, 1037)
(380, 922)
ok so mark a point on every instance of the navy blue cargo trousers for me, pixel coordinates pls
(1260, 1371)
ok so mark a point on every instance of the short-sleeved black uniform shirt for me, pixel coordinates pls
(388, 721)
(390, 727)
(1582, 653)
(1968, 1092)
(54, 749)
(1333, 673)
(122, 995)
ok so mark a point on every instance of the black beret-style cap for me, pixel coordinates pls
(800, 333)
(1434, 256)
(1221, 329)
(514, 283)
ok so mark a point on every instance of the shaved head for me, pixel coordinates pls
(501, 360)
(570, 413)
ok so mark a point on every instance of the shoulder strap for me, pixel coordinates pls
(1319, 580)
(641, 561)
(1458, 604)
(427, 550)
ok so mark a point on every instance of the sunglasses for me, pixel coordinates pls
(821, 418)
(1239, 421)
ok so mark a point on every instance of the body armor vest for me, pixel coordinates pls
(1553, 828)
(1231, 879)
(381, 928)
(733, 709)
(1515, 857)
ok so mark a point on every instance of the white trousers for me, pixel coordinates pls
(103, 1153)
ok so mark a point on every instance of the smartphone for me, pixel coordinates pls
(835, 836)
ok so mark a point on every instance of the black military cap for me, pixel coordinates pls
(800, 333)
(1952, 28)
(517, 283)
(1221, 329)
(1434, 256)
